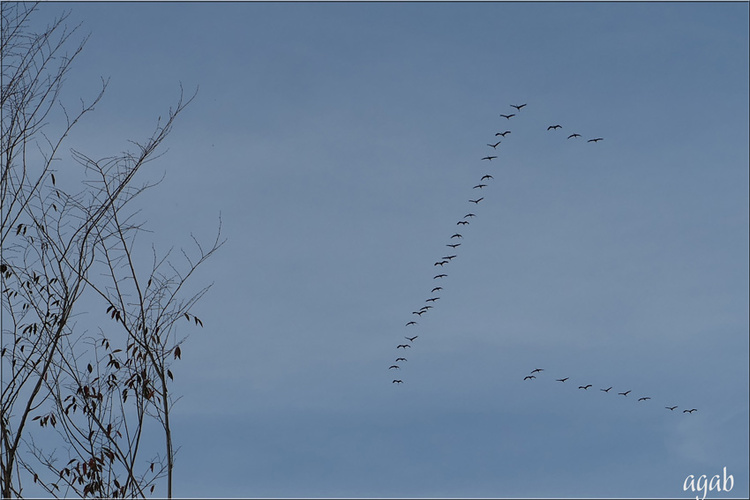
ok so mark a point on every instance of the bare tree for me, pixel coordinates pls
(88, 326)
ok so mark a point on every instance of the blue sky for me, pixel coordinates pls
(340, 143)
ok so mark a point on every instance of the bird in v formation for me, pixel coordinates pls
(486, 177)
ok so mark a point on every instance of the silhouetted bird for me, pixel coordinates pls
(411, 323)
(563, 379)
(606, 390)
(671, 407)
(411, 339)
(479, 186)
(456, 236)
(418, 313)
(537, 370)
(394, 366)
(489, 158)
(518, 107)
(689, 411)
(508, 116)
(402, 346)
(529, 377)
(485, 177)
(469, 215)
(624, 393)
(574, 135)
(400, 359)
(436, 289)
(398, 381)
(554, 127)
(426, 307)
(433, 299)
(440, 263)
(503, 134)
(462, 223)
(494, 146)
(454, 245)
(584, 387)
(450, 257)
(439, 276)
(477, 200)
(596, 140)
(643, 399)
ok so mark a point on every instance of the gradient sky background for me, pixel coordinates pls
(340, 143)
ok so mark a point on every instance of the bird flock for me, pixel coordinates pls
(455, 241)
(642, 399)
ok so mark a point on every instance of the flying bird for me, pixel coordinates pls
(508, 116)
(394, 366)
(489, 158)
(402, 346)
(411, 339)
(624, 393)
(426, 307)
(418, 313)
(503, 134)
(689, 411)
(643, 399)
(529, 377)
(436, 289)
(462, 223)
(411, 323)
(487, 176)
(494, 146)
(574, 135)
(537, 370)
(440, 263)
(397, 381)
(554, 127)
(518, 106)
(456, 236)
(605, 390)
(469, 215)
(400, 359)
(433, 299)
(479, 186)
(563, 379)
(596, 140)
(439, 276)
(671, 407)
(450, 257)
(584, 387)
(454, 245)
(477, 200)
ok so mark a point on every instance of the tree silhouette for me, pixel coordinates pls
(76, 401)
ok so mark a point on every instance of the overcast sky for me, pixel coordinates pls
(340, 142)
